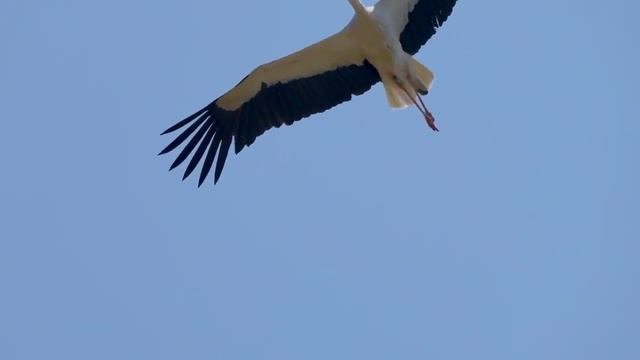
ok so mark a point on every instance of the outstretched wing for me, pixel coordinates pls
(309, 81)
(414, 21)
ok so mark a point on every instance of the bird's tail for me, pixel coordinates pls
(423, 74)
(397, 97)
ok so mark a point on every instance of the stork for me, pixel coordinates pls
(378, 44)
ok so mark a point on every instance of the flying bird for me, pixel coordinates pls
(378, 44)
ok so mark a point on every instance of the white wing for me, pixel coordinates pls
(339, 50)
(413, 21)
(309, 81)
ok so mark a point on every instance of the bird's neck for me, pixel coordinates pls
(358, 7)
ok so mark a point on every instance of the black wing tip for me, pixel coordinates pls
(169, 130)
(219, 149)
(187, 120)
(273, 106)
(424, 20)
(209, 128)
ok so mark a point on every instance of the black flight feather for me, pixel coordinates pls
(200, 152)
(191, 145)
(273, 106)
(425, 17)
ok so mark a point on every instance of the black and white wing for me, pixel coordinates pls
(414, 21)
(309, 81)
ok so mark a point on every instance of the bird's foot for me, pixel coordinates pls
(431, 121)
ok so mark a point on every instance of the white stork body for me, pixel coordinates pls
(377, 45)
(380, 44)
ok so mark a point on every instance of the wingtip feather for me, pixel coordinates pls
(222, 157)
(185, 121)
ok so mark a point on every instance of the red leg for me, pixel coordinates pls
(431, 121)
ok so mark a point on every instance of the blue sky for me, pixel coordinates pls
(511, 234)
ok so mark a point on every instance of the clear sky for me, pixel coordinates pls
(356, 234)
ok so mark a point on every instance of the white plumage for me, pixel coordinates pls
(329, 54)
(377, 45)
